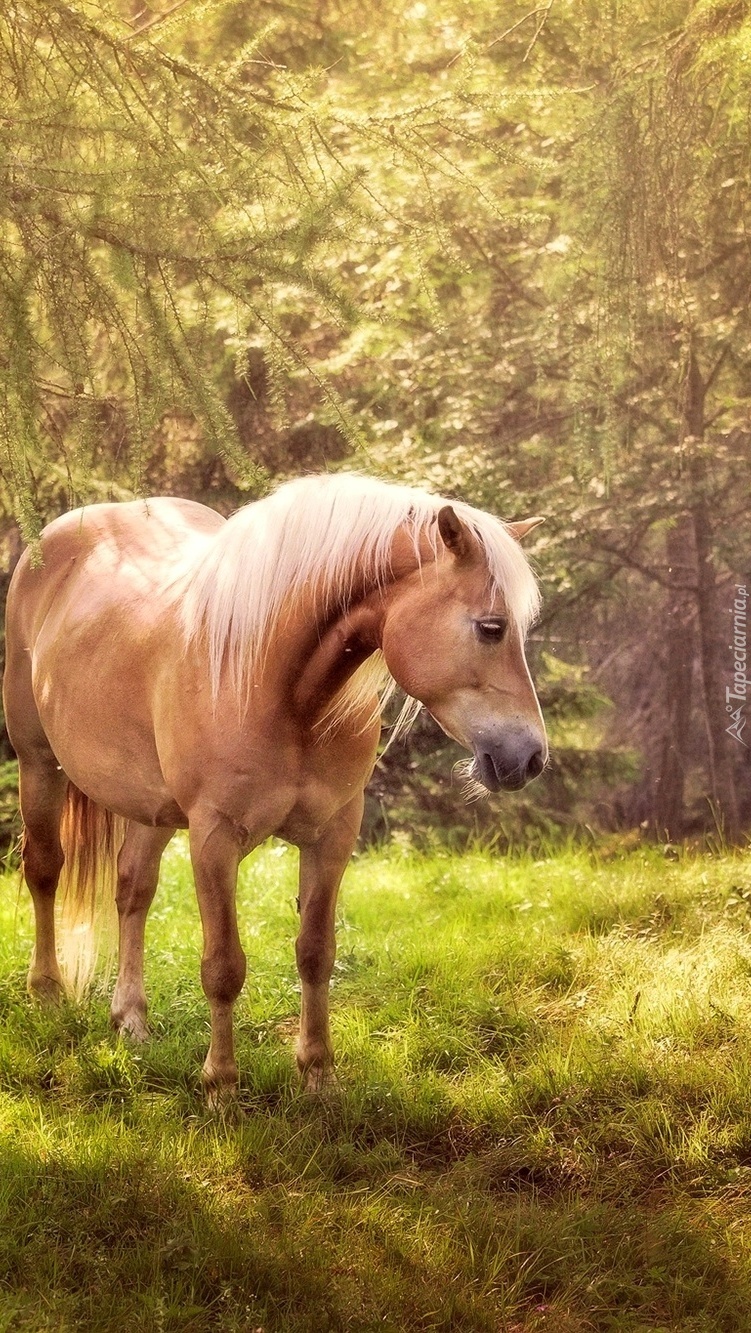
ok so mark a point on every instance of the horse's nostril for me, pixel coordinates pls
(535, 765)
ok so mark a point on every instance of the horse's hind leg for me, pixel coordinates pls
(137, 879)
(43, 788)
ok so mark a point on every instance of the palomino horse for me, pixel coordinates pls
(177, 670)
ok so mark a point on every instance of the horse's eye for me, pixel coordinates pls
(491, 629)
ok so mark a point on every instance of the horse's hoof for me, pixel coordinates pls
(221, 1088)
(132, 1025)
(222, 1099)
(46, 990)
(319, 1081)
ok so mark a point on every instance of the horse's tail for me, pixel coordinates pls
(91, 838)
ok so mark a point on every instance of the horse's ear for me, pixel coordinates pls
(456, 536)
(519, 530)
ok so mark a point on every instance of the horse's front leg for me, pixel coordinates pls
(215, 854)
(322, 865)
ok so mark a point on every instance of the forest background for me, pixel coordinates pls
(500, 250)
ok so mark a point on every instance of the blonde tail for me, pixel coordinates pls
(91, 837)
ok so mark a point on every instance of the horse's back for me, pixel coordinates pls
(128, 552)
(145, 532)
(91, 632)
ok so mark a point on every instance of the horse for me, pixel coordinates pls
(167, 668)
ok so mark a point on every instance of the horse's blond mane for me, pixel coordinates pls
(326, 534)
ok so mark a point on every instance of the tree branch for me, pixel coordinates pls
(152, 23)
(718, 260)
(544, 10)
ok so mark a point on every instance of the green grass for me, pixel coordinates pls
(543, 1120)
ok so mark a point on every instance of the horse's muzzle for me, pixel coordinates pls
(509, 762)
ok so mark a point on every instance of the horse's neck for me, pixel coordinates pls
(314, 648)
(335, 653)
(320, 652)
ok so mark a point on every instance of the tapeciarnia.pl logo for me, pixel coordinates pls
(737, 694)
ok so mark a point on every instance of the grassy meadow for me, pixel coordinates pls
(543, 1118)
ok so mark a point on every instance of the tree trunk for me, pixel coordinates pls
(672, 760)
(712, 634)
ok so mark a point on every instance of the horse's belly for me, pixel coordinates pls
(135, 795)
(107, 755)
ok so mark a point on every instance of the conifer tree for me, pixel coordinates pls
(175, 189)
(143, 196)
(668, 168)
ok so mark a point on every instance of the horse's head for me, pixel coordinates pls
(453, 643)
